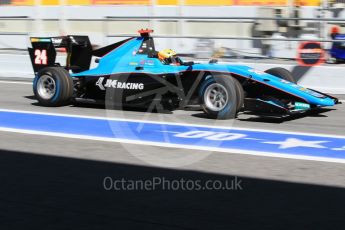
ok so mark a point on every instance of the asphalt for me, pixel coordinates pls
(57, 181)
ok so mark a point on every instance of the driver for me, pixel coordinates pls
(169, 57)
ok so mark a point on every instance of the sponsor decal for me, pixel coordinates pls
(258, 72)
(133, 63)
(40, 40)
(147, 62)
(295, 86)
(285, 81)
(301, 106)
(308, 91)
(118, 85)
(310, 54)
(311, 92)
(57, 41)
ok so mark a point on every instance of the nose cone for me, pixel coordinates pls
(326, 102)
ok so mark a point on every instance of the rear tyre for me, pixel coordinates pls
(218, 97)
(281, 73)
(53, 86)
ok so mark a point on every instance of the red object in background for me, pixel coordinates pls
(146, 32)
(310, 54)
(335, 30)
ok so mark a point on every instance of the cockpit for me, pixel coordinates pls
(166, 56)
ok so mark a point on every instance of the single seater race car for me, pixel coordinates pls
(131, 73)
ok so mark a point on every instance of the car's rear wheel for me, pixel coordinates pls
(53, 86)
(218, 97)
(281, 73)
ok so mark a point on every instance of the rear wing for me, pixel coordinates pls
(78, 48)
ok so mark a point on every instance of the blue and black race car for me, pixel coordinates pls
(131, 73)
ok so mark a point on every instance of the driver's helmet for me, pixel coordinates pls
(168, 56)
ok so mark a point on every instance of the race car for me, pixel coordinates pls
(131, 73)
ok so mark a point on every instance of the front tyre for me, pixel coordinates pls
(218, 97)
(282, 74)
(53, 86)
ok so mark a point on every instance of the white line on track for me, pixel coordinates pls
(169, 145)
(170, 123)
(16, 82)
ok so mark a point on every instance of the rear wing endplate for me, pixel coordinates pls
(43, 52)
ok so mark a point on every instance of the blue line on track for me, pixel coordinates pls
(232, 138)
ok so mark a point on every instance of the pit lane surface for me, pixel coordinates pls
(57, 182)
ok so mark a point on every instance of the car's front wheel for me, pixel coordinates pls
(218, 97)
(282, 73)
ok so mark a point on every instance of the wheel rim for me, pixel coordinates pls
(216, 97)
(46, 87)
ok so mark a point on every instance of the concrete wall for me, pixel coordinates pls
(53, 21)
